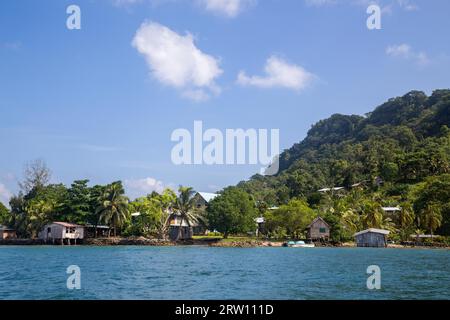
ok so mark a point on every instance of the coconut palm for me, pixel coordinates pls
(184, 206)
(350, 220)
(406, 216)
(372, 214)
(113, 208)
(431, 217)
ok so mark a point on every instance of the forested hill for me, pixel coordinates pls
(403, 141)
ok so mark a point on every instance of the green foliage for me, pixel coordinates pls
(113, 207)
(232, 212)
(4, 214)
(292, 218)
(403, 145)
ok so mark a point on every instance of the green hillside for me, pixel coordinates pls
(397, 155)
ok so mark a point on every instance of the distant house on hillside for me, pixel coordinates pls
(391, 210)
(7, 233)
(372, 238)
(62, 232)
(318, 230)
(324, 190)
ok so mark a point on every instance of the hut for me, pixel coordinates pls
(318, 229)
(372, 237)
(7, 233)
(94, 231)
(175, 223)
(62, 232)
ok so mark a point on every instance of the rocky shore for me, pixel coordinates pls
(142, 241)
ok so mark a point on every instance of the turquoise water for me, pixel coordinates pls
(222, 273)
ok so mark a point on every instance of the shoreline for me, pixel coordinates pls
(218, 243)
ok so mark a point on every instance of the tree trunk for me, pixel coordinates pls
(180, 230)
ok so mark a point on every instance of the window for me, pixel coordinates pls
(322, 230)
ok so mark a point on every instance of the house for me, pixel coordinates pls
(318, 229)
(7, 233)
(324, 190)
(62, 232)
(175, 223)
(391, 210)
(372, 238)
(93, 231)
(203, 198)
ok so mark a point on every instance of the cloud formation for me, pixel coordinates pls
(405, 51)
(278, 73)
(228, 8)
(175, 60)
(141, 187)
(5, 194)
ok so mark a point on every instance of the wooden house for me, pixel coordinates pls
(318, 229)
(7, 233)
(372, 238)
(203, 198)
(62, 232)
(175, 223)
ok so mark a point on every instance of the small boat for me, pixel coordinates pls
(299, 244)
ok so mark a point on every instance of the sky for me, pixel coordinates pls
(102, 102)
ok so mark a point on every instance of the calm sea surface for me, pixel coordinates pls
(222, 273)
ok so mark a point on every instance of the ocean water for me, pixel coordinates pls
(222, 273)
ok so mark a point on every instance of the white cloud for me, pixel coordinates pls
(141, 187)
(5, 194)
(279, 73)
(121, 3)
(229, 8)
(407, 5)
(406, 52)
(318, 3)
(174, 60)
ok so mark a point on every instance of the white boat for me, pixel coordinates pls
(300, 244)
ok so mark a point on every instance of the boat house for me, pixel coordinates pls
(318, 230)
(62, 232)
(7, 233)
(372, 237)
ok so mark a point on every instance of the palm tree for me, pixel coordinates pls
(185, 205)
(350, 220)
(431, 217)
(113, 206)
(38, 215)
(372, 214)
(406, 216)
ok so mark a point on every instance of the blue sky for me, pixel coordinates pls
(101, 102)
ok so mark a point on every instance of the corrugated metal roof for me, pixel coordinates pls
(374, 230)
(391, 209)
(68, 225)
